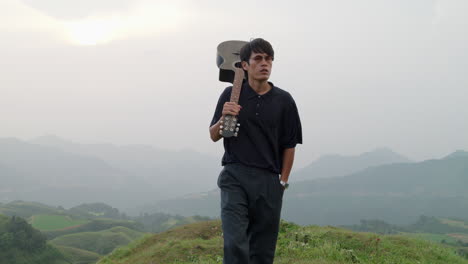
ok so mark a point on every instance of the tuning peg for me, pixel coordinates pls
(221, 127)
(238, 124)
(237, 129)
(220, 132)
(235, 134)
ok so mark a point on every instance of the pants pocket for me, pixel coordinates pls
(220, 176)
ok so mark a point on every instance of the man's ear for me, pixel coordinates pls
(244, 65)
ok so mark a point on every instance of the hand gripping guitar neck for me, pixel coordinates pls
(227, 59)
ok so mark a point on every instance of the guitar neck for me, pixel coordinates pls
(237, 85)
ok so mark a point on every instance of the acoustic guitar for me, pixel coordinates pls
(228, 61)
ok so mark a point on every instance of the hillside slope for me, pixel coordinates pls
(202, 243)
(101, 242)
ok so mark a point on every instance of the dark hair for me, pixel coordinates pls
(257, 45)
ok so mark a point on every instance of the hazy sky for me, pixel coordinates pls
(364, 73)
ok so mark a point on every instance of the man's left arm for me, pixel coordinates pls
(288, 160)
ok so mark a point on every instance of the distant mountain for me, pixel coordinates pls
(337, 165)
(57, 172)
(398, 193)
(168, 171)
(458, 153)
(49, 175)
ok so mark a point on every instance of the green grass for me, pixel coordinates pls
(202, 243)
(55, 222)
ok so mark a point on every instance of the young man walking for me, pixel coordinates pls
(257, 162)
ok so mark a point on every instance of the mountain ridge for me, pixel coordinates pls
(335, 165)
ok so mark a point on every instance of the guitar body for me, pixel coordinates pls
(228, 61)
(227, 58)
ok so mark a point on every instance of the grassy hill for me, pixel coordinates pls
(159, 222)
(450, 232)
(101, 242)
(27, 209)
(202, 243)
(79, 256)
(94, 226)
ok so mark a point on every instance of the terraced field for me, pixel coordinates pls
(55, 222)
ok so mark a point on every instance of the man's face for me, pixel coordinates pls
(259, 66)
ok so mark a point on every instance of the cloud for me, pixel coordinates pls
(87, 23)
(145, 19)
(452, 12)
(17, 17)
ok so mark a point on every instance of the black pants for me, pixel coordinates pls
(251, 200)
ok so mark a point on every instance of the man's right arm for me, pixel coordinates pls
(214, 131)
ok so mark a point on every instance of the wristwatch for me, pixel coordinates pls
(285, 184)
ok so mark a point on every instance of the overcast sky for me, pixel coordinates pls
(364, 73)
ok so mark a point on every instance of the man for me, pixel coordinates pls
(257, 162)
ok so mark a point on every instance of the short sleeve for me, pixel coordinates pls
(292, 134)
(219, 107)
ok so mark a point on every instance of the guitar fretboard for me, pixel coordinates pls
(237, 85)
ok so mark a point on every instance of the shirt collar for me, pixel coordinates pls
(250, 93)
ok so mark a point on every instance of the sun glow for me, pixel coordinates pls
(92, 32)
(143, 20)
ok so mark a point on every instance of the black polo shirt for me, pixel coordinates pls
(269, 123)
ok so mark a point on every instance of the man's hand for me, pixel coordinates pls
(231, 108)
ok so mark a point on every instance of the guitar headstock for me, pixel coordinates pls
(229, 126)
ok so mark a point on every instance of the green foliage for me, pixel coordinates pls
(49, 255)
(22, 244)
(97, 210)
(17, 233)
(202, 243)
